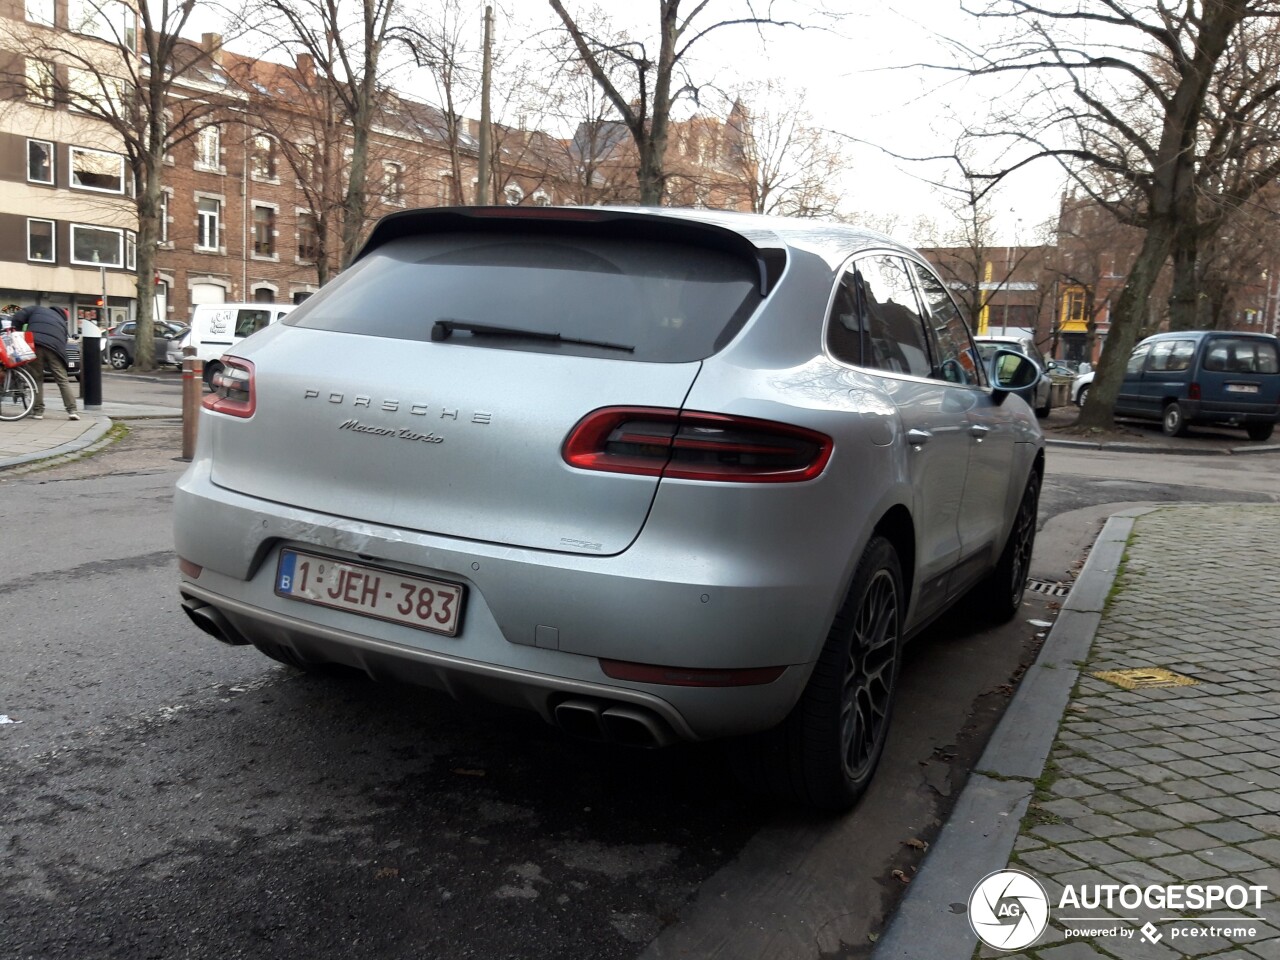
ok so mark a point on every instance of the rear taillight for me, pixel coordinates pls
(1193, 391)
(232, 389)
(657, 441)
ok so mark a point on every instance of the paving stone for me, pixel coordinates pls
(1186, 867)
(1149, 822)
(1267, 850)
(1071, 787)
(1231, 860)
(1266, 799)
(1232, 831)
(1100, 825)
(1188, 812)
(1058, 832)
(1077, 950)
(1188, 839)
(1230, 806)
(1096, 852)
(1051, 861)
(1111, 803)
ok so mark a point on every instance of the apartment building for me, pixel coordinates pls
(68, 224)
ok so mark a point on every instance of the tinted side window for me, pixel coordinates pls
(1172, 355)
(251, 321)
(844, 326)
(1241, 355)
(1135, 359)
(895, 330)
(957, 358)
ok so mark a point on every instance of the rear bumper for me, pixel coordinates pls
(1208, 411)
(536, 623)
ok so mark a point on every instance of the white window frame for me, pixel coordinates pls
(41, 81)
(513, 193)
(53, 238)
(541, 198)
(254, 206)
(273, 151)
(41, 11)
(53, 162)
(71, 170)
(108, 20)
(209, 131)
(97, 263)
(393, 188)
(298, 214)
(130, 250)
(215, 217)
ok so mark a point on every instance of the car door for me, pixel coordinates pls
(1165, 374)
(990, 487)
(886, 333)
(1129, 397)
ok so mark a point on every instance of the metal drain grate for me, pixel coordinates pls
(1145, 678)
(1049, 588)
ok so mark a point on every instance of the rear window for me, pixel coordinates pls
(1241, 355)
(672, 302)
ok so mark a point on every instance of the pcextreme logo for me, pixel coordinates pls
(1009, 910)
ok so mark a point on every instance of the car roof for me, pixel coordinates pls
(1201, 334)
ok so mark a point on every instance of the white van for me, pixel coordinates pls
(216, 327)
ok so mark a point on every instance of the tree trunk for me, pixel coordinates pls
(1184, 297)
(1128, 318)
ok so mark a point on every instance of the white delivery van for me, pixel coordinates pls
(217, 327)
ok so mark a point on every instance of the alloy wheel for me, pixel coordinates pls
(869, 675)
(1023, 537)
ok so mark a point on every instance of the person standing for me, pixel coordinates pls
(48, 327)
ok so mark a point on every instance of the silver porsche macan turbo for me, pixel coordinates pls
(655, 474)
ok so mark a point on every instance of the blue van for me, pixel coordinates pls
(1204, 376)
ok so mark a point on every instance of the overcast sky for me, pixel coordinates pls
(858, 83)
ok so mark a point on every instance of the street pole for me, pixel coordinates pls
(482, 186)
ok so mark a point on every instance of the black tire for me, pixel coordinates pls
(1082, 395)
(1259, 431)
(1042, 412)
(826, 751)
(999, 595)
(1174, 421)
(119, 358)
(210, 369)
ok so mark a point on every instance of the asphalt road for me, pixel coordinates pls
(165, 796)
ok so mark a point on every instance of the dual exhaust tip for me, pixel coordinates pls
(603, 722)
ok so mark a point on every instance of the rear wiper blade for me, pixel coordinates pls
(443, 328)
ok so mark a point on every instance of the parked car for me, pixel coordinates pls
(1204, 376)
(217, 327)
(119, 345)
(656, 474)
(1080, 388)
(1038, 395)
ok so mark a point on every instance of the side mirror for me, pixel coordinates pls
(1010, 370)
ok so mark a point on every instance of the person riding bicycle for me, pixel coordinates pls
(48, 326)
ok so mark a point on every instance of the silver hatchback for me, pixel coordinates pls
(657, 475)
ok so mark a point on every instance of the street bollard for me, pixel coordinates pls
(192, 384)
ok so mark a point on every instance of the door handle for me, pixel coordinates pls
(978, 430)
(916, 437)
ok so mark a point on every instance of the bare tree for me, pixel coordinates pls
(302, 126)
(789, 162)
(1124, 86)
(137, 83)
(644, 80)
(347, 41)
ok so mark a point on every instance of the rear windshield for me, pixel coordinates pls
(672, 302)
(1241, 355)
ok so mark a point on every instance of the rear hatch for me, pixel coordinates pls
(1241, 373)
(420, 390)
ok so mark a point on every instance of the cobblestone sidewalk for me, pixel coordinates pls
(1178, 784)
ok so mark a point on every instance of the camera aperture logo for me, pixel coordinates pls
(1008, 910)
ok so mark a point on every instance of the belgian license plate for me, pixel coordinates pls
(1242, 388)
(371, 591)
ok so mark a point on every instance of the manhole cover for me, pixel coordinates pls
(1049, 588)
(1145, 678)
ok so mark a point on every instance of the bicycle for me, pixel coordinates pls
(17, 393)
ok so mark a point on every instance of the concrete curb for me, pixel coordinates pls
(1149, 448)
(92, 435)
(932, 919)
